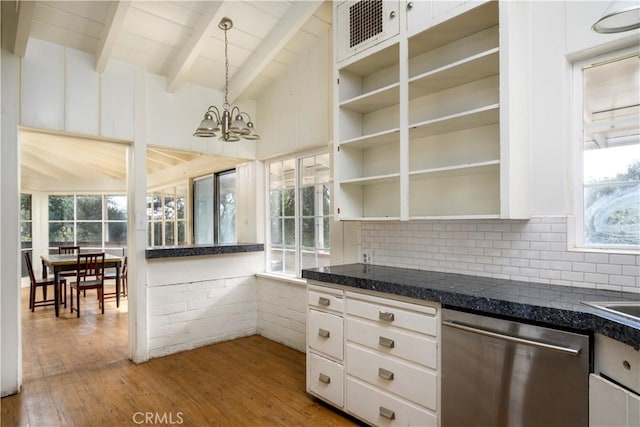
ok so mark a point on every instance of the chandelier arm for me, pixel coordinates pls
(213, 109)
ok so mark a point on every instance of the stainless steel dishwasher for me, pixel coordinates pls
(502, 373)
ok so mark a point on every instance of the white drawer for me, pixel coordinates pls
(413, 317)
(325, 299)
(618, 361)
(382, 409)
(325, 379)
(324, 333)
(411, 382)
(393, 341)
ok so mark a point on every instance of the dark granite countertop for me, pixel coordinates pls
(548, 305)
(199, 250)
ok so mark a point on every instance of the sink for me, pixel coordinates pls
(630, 309)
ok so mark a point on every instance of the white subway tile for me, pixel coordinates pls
(596, 257)
(623, 259)
(609, 268)
(631, 270)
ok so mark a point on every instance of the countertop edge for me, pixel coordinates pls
(200, 250)
(583, 320)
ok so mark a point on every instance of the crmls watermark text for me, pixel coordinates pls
(158, 418)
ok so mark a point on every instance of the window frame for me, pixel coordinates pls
(576, 224)
(104, 221)
(171, 190)
(216, 222)
(298, 159)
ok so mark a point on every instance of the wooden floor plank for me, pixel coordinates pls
(76, 373)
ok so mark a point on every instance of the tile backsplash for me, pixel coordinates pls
(532, 250)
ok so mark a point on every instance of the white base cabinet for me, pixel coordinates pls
(612, 404)
(385, 369)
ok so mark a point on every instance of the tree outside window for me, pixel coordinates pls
(93, 221)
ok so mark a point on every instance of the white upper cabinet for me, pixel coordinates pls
(419, 120)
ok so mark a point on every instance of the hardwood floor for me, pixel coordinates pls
(76, 373)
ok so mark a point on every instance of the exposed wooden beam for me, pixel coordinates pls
(16, 25)
(25, 15)
(180, 66)
(112, 27)
(293, 20)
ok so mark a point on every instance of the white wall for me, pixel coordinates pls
(295, 111)
(197, 301)
(11, 355)
(282, 308)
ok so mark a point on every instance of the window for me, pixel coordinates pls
(26, 230)
(96, 221)
(299, 214)
(609, 197)
(167, 217)
(214, 208)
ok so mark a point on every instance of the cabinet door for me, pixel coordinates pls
(611, 405)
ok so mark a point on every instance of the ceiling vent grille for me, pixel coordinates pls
(365, 21)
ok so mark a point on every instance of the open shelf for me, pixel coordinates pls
(374, 100)
(451, 193)
(464, 25)
(368, 180)
(373, 140)
(478, 66)
(464, 120)
(457, 169)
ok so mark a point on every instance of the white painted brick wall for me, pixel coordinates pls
(532, 251)
(196, 301)
(282, 311)
(189, 315)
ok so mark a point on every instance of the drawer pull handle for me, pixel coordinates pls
(324, 378)
(323, 333)
(385, 315)
(386, 342)
(324, 301)
(383, 373)
(626, 365)
(387, 413)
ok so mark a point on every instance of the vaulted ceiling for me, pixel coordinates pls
(179, 40)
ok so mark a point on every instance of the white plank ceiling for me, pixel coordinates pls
(179, 40)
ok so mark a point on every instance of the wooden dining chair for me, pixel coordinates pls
(67, 250)
(111, 275)
(35, 284)
(89, 275)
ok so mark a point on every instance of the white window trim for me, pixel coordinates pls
(575, 225)
(267, 225)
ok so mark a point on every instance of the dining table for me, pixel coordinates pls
(69, 262)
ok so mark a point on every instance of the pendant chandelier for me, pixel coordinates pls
(229, 121)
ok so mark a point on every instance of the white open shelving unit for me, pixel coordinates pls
(419, 123)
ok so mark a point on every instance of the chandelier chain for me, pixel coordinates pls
(226, 71)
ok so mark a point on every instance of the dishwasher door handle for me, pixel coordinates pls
(510, 338)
